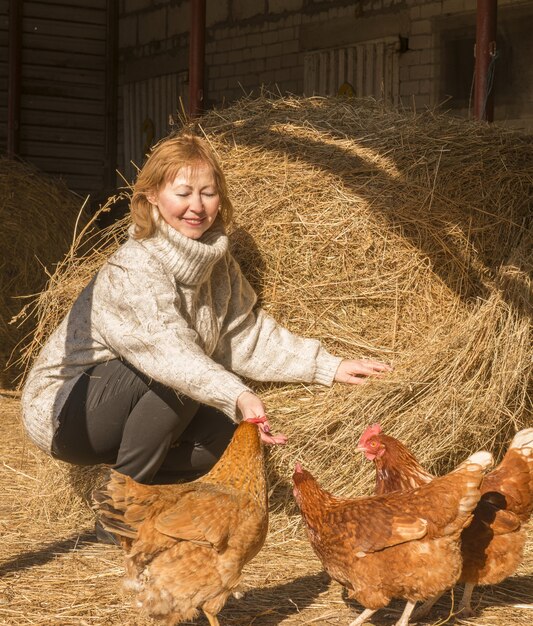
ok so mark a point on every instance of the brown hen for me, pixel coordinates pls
(186, 544)
(492, 546)
(399, 545)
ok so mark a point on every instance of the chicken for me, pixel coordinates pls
(399, 545)
(493, 545)
(186, 544)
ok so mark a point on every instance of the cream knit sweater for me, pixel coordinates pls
(180, 311)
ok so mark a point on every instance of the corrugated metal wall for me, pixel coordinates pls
(63, 90)
(367, 69)
(148, 105)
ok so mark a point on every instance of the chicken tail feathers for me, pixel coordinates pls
(510, 485)
(460, 491)
(523, 441)
(115, 503)
(482, 459)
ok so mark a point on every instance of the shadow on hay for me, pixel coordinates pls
(512, 591)
(272, 605)
(450, 260)
(246, 251)
(47, 553)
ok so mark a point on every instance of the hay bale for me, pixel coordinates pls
(38, 216)
(392, 235)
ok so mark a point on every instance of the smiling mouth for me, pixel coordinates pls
(192, 222)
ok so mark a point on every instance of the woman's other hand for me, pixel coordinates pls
(252, 407)
(357, 371)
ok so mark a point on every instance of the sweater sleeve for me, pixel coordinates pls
(254, 345)
(136, 313)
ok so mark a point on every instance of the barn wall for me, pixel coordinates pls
(268, 42)
(62, 108)
(3, 73)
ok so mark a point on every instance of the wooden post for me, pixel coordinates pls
(485, 59)
(197, 57)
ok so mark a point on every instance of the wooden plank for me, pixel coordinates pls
(61, 135)
(84, 13)
(74, 163)
(51, 103)
(70, 166)
(4, 52)
(51, 76)
(68, 30)
(38, 41)
(61, 60)
(62, 151)
(78, 182)
(73, 119)
(66, 90)
(66, 4)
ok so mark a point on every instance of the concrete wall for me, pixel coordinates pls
(250, 43)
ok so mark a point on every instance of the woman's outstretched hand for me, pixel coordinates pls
(358, 371)
(251, 408)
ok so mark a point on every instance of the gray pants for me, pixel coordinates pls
(117, 415)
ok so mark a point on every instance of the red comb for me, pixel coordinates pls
(375, 429)
(257, 420)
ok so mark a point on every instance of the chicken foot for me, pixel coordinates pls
(424, 608)
(361, 619)
(465, 606)
(213, 619)
(404, 619)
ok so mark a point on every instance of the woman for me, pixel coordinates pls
(145, 370)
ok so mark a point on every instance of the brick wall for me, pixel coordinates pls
(250, 43)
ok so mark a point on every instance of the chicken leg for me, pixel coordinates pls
(424, 608)
(213, 619)
(404, 619)
(465, 606)
(361, 619)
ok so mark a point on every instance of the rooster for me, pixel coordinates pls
(186, 544)
(493, 545)
(399, 545)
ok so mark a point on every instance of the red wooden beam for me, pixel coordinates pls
(197, 57)
(485, 59)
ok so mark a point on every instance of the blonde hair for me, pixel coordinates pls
(165, 160)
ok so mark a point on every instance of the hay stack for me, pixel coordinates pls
(38, 217)
(391, 235)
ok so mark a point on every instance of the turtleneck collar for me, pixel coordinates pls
(189, 260)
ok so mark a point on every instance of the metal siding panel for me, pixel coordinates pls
(147, 107)
(379, 77)
(371, 68)
(323, 74)
(350, 66)
(360, 77)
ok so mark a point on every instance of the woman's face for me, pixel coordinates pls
(190, 202)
